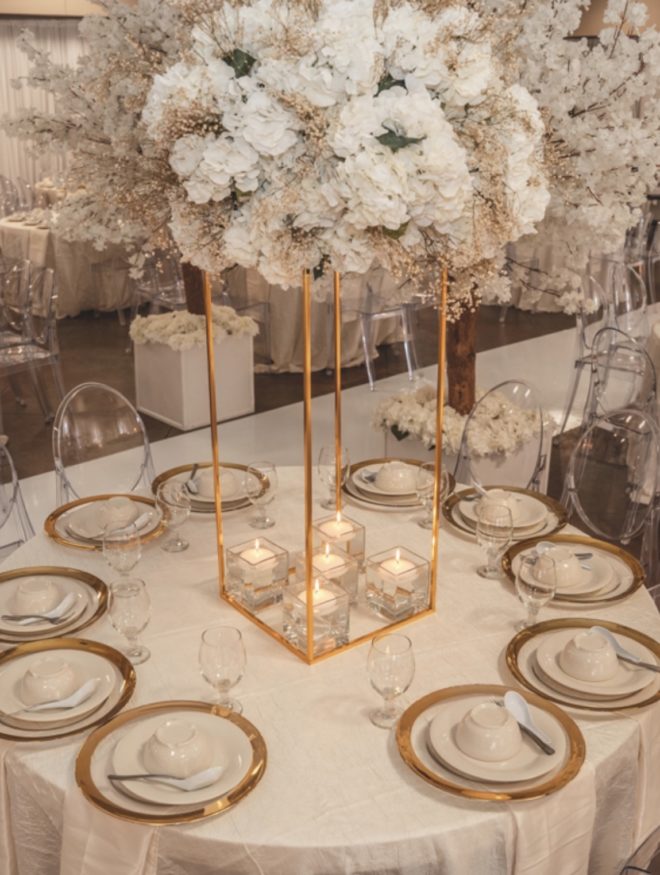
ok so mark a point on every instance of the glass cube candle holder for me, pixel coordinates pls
(331, 614)
(257, 571)
(397, 583)
(333, 563)
(343, 532)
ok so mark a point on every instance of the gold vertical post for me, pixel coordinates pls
(439, 418)
(210, 358)
(338, 459)
(307, 451)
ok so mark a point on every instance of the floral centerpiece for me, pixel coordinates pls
(181, 330)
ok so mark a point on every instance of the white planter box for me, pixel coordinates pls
(174, 387)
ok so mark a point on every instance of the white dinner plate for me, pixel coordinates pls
(529, 763)
(527, 512)
(84, 522)
(628, 679)
(230, 748)
(85, 665)
(592, 579)
(368, 486)
(65, 585)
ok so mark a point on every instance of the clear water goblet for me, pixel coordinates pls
(391, 668)
(129, 610)
(494, 534)
(327, 469)
(222, 663)
(424, 486)
(174, 504)
(122, 547)
(536, 585)
(261, 488)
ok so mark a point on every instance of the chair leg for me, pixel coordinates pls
(409, 342)
(57, 378)
(365, 323)
(41, 398)
(572, 392)
(13, 382)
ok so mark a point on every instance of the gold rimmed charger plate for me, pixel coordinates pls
(451, 512)
(100, 594)
(367, 463)
(636, 570)
(249, 781)
(469, 789)
(227, 505)
(68, 540)
(121, 663)
(532, 683)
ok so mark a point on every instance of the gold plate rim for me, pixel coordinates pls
(363, 463)
(557, 509)
(573, 764)
(211, 809)
(627, 558)
(85, 577)
(181, 469)
(521, 638)
(54, 516)
(121, 663)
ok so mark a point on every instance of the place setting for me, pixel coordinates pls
(393, 484)
(491, 743)
(47, 601)
(83, 523)
(59, 687)
(238, 483)
(588, 572)
(590, 664)
(532, 513)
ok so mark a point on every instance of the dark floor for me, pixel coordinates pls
(94, 347)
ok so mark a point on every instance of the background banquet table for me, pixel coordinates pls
(336, 797)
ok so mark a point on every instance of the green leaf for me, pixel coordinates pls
(388, 82)
(396, 141)
(397, 233)
(240, 61)
(398, 434)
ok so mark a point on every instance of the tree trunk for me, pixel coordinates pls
(461, 360)
(193, 281)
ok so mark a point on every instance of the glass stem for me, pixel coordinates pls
(532, 614)
(132, 643)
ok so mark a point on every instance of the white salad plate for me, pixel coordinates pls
(528, 513)
(596, 577)
(84, 522)
(29, 630)
(363, 481)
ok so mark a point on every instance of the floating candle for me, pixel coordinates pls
(400, 569)
(323, 600)
(337, 529)
(329, 563)
(258, 555)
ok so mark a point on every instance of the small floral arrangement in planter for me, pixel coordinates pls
(181, 330)
(499, 430)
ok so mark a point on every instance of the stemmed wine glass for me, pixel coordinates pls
(424, 486)
(260, 487)
(174, 503)
(494, 534)
(327, 468)
(122, 547)
(222, 663)
(391, 668)
(536, 585)
(129, 611)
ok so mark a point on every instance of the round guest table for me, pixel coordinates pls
(336, 796)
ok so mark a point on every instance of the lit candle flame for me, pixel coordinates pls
(338, 516)
(257, 545)
(317, 585)
(327, 549)
(397, 555)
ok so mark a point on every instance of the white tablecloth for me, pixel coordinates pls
(336, 797)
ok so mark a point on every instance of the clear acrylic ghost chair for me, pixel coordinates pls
(653, 262)
(92, 422)
(15, 522)
(226, 291)
(526, 462)
(28, 341)
(26, 197)
(629, 295)
(8, 197)
(161, 285)
(620, 450)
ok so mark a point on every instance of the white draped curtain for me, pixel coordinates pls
(60, 38)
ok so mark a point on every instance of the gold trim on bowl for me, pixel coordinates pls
(90, 580)
(628, 559)
(365, 463)
(121, 663)
(551, 504)
(210, 809)
(516, 644)
(546, 786)
(50, 525)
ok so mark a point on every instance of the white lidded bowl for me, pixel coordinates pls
(48, 678)
(206, 487)
(396, 477)
(589, 656)
(117, 511)
(35, 595)
(177, 748)
(561, 562)
(488, 733)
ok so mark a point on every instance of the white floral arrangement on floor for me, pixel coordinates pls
(497, 428)
(181, 330)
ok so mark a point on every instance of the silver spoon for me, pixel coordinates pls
(517, 707)
(190, 484)
(194, 782)
(76, 698)
(623, 654)
(55, 615)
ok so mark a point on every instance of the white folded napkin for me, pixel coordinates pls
(94, 843)
(7, 854)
